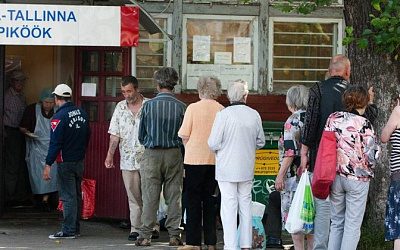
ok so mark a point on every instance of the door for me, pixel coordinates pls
(102, 68)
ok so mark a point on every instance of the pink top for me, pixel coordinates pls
(197, 124)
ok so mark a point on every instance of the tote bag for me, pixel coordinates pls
(325, 166)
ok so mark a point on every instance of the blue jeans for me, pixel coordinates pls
(69, 177)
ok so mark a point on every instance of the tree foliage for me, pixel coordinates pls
(384, 30)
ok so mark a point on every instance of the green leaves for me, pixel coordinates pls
(302, 7)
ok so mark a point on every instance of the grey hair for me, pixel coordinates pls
(166, 78)
(237, 90)
(209, 87)
(297, 97)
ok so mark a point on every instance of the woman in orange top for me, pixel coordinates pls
(199, 163)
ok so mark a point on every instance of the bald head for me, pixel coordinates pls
(340, 66)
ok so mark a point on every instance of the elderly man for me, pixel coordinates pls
(236, 134)
(124, 127)
(35, 125)
(162, 164)
(16, 181)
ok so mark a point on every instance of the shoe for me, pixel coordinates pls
(133, 236)
(143, 242)
(175, 241)
(189, 247)
(211, 247)
(125, 225)
(274, 243)
(62, 235)
(155, 234)
(46, 207)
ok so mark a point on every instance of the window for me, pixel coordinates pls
(300, 50)
(222, 46)
(151, 54)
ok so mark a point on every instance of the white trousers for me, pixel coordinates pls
(236, 195)
(133, 190)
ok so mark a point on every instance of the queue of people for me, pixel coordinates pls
(220, 145)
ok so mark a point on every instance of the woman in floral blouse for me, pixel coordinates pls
(289, 155)
(357, 151)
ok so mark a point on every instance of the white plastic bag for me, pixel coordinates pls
(295, 223)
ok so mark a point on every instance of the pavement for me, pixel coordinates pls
(25, 228)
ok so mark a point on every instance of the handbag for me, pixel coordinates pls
(325, 166)
(302, 210)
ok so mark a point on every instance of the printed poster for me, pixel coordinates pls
(201, 48)
(242, 49)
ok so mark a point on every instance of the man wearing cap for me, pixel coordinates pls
(16, 181)
(69, 137)
(35, 125)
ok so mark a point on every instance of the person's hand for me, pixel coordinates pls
(46, 173)
(280, 183)
(303, 165)
(109, 162)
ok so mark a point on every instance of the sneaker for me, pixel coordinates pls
(274, 243)
(189, 247)
(133, 236)
(175, 241)
(143, 242)
(155, 234)
(62, 235)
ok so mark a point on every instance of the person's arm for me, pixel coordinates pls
(56, 142)
(186, 127)
(260, 141)
(281, 177)
(392, 124)
(109, 162)
(142, 126)
(217, 132)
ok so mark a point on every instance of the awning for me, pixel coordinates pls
(74, 25)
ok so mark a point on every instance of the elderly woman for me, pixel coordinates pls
(357, 151)
(199, 163)
(35, 125)
(236, 134)
(289, 156)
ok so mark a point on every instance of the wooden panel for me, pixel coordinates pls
(111, 199)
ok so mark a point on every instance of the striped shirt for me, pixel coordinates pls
(395, 154)
(161, 119)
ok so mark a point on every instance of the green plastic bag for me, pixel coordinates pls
(307, 213)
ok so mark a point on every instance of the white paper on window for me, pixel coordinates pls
(242, 49)
(88, 89)
(201, 48)
(223, 58)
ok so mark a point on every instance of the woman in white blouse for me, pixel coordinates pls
(236, 134)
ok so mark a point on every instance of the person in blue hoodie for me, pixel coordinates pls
(69, 137)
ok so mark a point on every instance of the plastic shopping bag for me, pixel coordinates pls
(88, 187)
(258, 232)
(301, 213)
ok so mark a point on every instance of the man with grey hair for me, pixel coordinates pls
(236, 134)
(162, 164)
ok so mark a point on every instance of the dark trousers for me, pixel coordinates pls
(201, 208)
(273, 227)
(69, 177)
(16, 173)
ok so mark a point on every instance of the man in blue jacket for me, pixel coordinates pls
(69, 137)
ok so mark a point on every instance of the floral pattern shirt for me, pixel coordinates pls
(289, 145)
(125, 125)
(356, 145)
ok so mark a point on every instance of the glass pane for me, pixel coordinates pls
(149, 60)
(146, 48)
(302, 52)
(113, 86)
(91, 109)
(113, 61)
(90, 61)
(144, 34)
(145, 72)
(222, 34)
(92, 79)
(109, 110)
(146, 85)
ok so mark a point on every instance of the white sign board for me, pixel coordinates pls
(88, 89)
(225, 73)
(223, 58)
(29, 24)
(241, 49)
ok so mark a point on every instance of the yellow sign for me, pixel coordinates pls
(267, 162)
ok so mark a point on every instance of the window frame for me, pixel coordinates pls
(168, 56)
(272, 20)
(255, 41)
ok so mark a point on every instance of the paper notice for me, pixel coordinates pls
(88, 89)
(223, 58)
(241, 49)
(201, 48)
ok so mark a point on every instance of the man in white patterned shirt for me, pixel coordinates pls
(123, 130)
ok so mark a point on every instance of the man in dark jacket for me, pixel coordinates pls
(69, 137)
